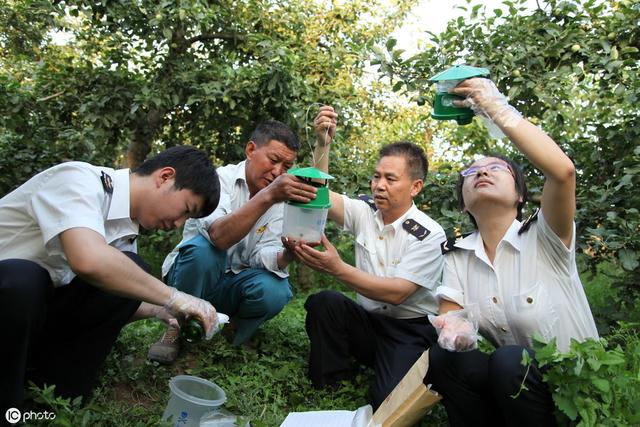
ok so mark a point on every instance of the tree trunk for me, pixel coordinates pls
(147, 128)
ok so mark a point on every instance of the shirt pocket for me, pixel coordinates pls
(534, 313)
(365, 254)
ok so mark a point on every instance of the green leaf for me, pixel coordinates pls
(594, 363)
(577, 370)
(601, 384)
(628, 49)
(566, 405)
(628, 259)
(391, 44)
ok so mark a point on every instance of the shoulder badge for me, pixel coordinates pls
(368, 200)
(415, 229)
(107, 183)
(532, 218)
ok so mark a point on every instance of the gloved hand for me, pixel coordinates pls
(161, 313)
(457, 331)
(484, 98)
(184, 305)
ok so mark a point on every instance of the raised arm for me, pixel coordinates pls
(325, 128)
(558, 195)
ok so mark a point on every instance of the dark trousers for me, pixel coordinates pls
(477, 388)
(53, 335)
(340, 330)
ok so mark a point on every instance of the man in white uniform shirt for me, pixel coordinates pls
(398, 267)
(70, 277)
(234, 258)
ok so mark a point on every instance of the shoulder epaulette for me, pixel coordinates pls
(449, 244)
(532, 218)
(415, 229)
(107, 183)
(368, 200)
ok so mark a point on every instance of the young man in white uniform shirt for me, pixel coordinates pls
(70, 277)
(398, 267)
(234, 258)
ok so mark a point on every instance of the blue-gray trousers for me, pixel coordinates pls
(250, 297)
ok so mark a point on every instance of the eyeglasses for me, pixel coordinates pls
(491, 167)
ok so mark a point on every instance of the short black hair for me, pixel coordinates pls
(273, 129)
(518, 175)
(417, 163)
(194, 171)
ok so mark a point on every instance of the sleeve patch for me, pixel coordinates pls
(107, 183)
(368, 200)
(415, 229)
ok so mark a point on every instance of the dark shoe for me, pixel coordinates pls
(229, 332)
(166, 349)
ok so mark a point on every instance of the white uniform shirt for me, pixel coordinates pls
(532, 287)
(66, 196)
(391, 251)
(260, 247)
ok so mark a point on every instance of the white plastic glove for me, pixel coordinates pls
(184, 305)
(484, 98)
(162, 314)
(457, 330)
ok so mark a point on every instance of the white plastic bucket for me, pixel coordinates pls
(303, 223)
(191, 397)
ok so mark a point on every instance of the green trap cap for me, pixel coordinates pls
(322, 200)
(309, 173)
(460, 72)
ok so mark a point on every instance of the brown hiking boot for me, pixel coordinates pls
(166, 349)
(229, 331)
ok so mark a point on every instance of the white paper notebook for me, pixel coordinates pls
(338, 418)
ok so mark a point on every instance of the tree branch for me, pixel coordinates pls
(217, 36)
(46, 98)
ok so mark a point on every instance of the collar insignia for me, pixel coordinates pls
(107, 183)
(532, 218)
(449, 244)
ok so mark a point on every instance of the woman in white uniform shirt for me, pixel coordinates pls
(516, 279)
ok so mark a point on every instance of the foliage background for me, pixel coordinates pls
(136, 76)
